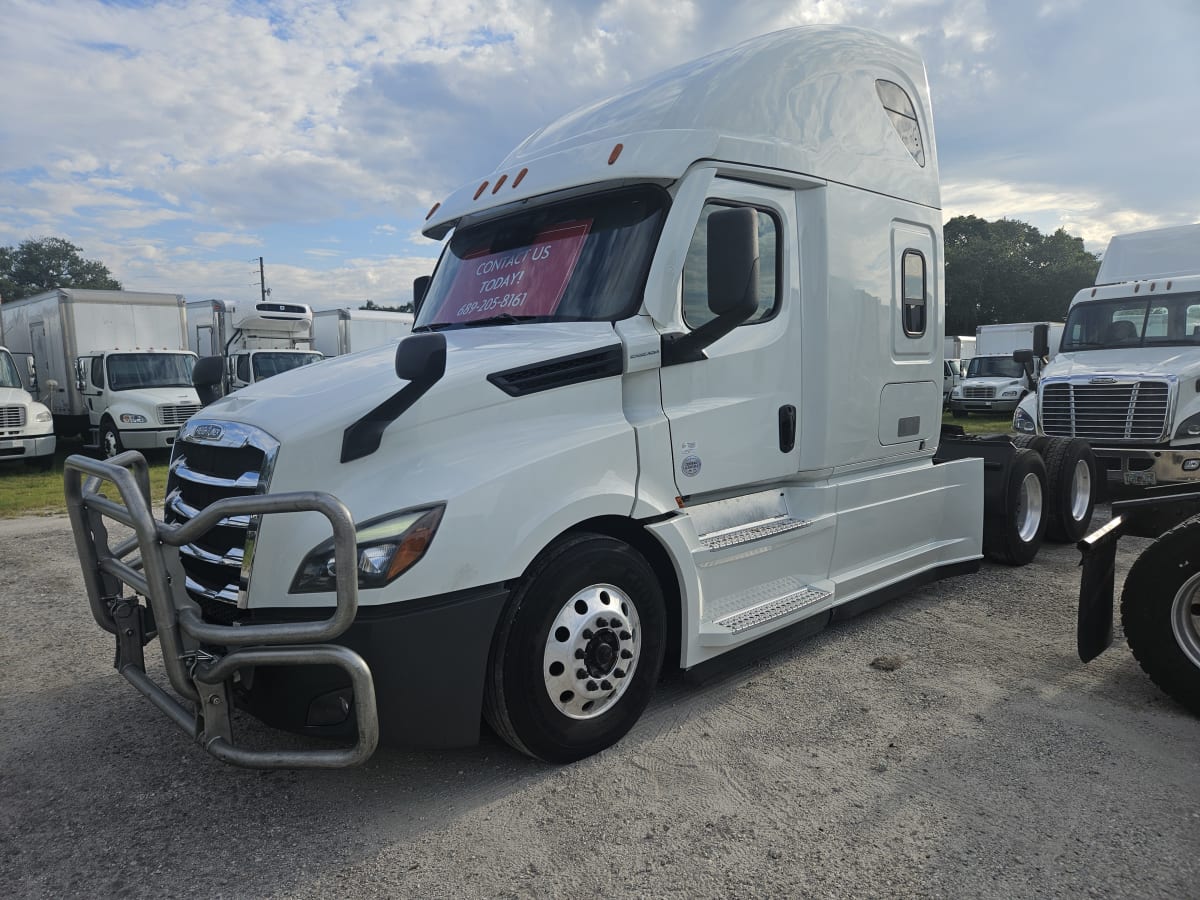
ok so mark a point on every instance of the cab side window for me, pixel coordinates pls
(98, 372)
(695, 268)
(243, 368)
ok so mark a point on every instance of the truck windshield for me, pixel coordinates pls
(267, 363)
(994, 367)
(132, 371)
(1133, 322)
(9, 377)
(576, 260)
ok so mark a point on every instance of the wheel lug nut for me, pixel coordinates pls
(618, 673)
(625, 635)
(579, 654)
(626, 654)
(602, 623)
(587, 634)
(605, 686)
(591, 685)
(581, 674)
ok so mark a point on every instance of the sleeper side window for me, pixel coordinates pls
(695, 268)
(915, 291)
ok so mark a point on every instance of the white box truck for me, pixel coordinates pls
(995, 382)
(1125, 377)
(337, 332)
(957, 352)
(616, 439)
(268, 339)
(26, 426)
(118, 359)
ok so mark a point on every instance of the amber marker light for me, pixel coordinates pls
(432, 210)
(616, 151)
(482, 188)
(499, 181)
(520, 177)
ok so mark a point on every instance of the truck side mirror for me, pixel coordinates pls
(1041, 340)
(207, 376)
(80, 373)
(31, 372)
(1025, 358)
(732, 283)
(420, 288)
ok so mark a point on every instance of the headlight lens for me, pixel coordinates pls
(132, 419)
(1023, 422)
(45, 416)
(1010, 393)
(957, 392)
(387, 548)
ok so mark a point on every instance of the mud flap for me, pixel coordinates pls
(1094, 631)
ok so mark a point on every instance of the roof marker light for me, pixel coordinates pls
(1152, 284)
(520, 176)
(1168, 285)
(1093, 292)
(432, 210)
(482, 188)
(1136, 288)
(499, 182)
(616, 151)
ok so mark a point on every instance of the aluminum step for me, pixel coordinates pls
(752, 531)
(777, 608)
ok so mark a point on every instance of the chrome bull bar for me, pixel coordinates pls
(194, 669)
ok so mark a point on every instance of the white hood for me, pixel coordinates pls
(1160, 362)
(14, 397)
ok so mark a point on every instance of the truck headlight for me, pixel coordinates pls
(387, 548)
(957, 392)
(1023, 422)
(1189, 429)
(133, 419)
(1010, 394)
(45, 416)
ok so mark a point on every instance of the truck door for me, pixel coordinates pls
(734, 416)
(90, 371)
(37, 344)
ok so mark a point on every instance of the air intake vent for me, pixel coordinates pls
(574, 369)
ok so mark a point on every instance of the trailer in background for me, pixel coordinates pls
(337, 332)
(268, 339)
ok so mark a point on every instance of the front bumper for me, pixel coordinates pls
(149, 438)
(1147, 468)
(992, 407)
(26, 447)
(207, 664)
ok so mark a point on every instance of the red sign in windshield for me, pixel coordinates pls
(526, 281)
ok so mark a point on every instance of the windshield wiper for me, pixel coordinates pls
(502, 319)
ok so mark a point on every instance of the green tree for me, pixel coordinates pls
(43, 264)
(1008, 271)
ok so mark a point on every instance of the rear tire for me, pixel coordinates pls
(110, 440)
(1071, 471)
(1015, 535)
(1160, 612)
(578, 651)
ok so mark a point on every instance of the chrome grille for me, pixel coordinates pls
(12, 416)
(235, 463)
(978, 393)
(1127, 411)
(177, 414)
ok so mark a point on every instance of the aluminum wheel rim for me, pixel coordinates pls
(1081, 490)
(591, 652)
(110, 444)
(1029, 507)
(1185, 619)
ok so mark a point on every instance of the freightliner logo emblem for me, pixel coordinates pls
(207, 432)
(1103, 379)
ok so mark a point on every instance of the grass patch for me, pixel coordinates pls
(974, 424)
(26, 492)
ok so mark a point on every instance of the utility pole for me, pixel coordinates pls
(262, 281)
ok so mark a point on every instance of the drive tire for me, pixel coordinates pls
(1160, 612)
(110, 440)
(576, 583)
(1071, 471)
(1035, 442)
(1014, 536)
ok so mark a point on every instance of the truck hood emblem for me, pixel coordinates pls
(1102, 379)
(207, 432)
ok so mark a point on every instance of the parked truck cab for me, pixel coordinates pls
(996, 380)
(26, 426)
(622, 435)
(268, 339)
(1126, 377)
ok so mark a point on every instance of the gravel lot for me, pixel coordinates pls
(978, 759)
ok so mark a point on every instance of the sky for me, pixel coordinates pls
(179, 142)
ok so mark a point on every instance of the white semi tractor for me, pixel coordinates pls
(268, 339)
(995, 381)
(118, 360)
(619, 437)
(26, 426)
(337, 332)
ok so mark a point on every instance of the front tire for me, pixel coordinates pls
(1071, 471)
(110, 440)
(578, 651)
(1160, 611)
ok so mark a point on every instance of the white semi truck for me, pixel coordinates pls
(118, 360)
(337, 332)
(268, 339)
(995, 382)
(617, 439)
(26, 426)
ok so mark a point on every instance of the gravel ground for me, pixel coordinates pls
(976, 758)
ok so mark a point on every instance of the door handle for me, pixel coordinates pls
(787, 428)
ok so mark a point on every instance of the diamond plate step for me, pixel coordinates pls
(754, 531)
(772, 609)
